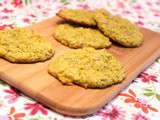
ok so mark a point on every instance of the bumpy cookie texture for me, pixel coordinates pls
(24, 46)
(105, 13)
(78, 37)
(83, 17)
(88, 68)
(119, 29)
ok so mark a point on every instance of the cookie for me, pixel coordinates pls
(87, 67)
(24, 46)
(78, 37)
(83, 17)
(119, 29)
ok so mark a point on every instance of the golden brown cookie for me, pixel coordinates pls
(83, 17)
(78, 37)
(88, 68)
(24, 46)
(119, 29)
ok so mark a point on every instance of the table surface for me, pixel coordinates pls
(140, 101)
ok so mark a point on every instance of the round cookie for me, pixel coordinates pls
(83, 17)
(24, 46)
(119, 29)
(88, 68)
(78, 37)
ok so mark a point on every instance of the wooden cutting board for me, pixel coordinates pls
(33, 79)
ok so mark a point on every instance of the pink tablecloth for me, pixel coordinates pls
(140, 101)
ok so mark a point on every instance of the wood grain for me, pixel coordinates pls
(34, 80)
